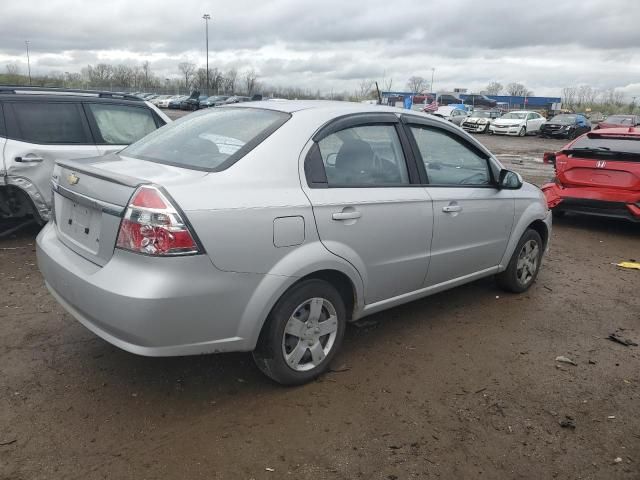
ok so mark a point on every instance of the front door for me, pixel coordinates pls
(369, 212)
(39, 134)
(472, 218)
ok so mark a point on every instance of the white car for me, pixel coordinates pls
(453, 114)
(164, 101)
(520, 123)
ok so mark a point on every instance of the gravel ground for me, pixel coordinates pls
(463, 384)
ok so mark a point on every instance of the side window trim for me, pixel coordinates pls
(408, 122)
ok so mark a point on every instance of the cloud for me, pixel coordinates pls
(334, 43)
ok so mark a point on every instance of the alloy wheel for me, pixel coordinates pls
(309, 334)
(528, 260)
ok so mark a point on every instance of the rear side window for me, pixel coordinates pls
(211, 140)
(364, 156)
(50, 122)
(447, 161)
(121, 124)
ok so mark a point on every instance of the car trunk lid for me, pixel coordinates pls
(91, 195)
(580, 170)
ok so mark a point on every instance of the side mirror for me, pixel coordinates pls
(509, 180)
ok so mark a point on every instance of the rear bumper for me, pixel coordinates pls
(594, 201)
(152, 306)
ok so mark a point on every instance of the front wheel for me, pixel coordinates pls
(302, 334)
(524, 265)
(522, 132)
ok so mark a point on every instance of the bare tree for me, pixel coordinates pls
(13, 69)
(494, 88)
(230, 79)
(568, 96)
(250, 78)
(518, 90)
(147, 76)
(416, 84)
(187, 69)
(365, 88)
(122, 76)
(98, 75)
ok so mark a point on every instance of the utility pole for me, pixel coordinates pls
(28, 61)
(206, 18)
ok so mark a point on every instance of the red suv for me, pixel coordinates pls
(597, 174)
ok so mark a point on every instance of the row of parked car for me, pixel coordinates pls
(527, 122)
(195, 101)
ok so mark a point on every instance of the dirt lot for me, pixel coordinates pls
(459, 385)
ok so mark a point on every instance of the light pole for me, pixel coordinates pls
(433, 72)
(28, 61)
(206, 18)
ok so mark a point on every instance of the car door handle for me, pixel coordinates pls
(346, 215)
(31, 159)
(452, 208)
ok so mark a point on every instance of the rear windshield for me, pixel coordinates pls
(604, 145)
(208, 140)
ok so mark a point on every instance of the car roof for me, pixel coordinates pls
(623, 131)
(329, 106)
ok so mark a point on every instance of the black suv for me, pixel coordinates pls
(483, 101)
(39, 126)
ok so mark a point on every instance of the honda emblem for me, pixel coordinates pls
(601, 164)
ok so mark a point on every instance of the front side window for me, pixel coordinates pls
(47, 123)
(369, 155)
(448, 161)
(209, 140)
(121, 124)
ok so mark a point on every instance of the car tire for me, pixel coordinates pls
(486, 129)
(293, 348)
(524, 265)
(522, 132)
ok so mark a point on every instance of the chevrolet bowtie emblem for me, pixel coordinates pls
(72, 179)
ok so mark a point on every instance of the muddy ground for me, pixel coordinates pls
(460, 385)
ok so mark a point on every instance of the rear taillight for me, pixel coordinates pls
(151, 225)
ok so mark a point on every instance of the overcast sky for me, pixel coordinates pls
(333, 44)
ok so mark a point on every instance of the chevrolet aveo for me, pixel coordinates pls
(267, 227)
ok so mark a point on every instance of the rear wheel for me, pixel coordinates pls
(524, 264)
(302, 334)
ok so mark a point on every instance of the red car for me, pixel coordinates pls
(615, 121)
(597, 174)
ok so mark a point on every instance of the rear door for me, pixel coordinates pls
(116, 126)
(472, 218)
(368, 206)
(39, 133)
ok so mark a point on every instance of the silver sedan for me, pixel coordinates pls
(268, 226)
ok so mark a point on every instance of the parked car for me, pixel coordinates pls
(156, 101)
(193, 102)
(236, 99)
(164, 103)
(448, 98)
(595, 117)
(479, 121)
(43, 125)
(174, 104)
(477, 100)
(520, 123)
(213, 101)
(566, 125)
(619, 121)
(454, 115)
(178, 213)
(597, 174)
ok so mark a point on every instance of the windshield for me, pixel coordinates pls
(477, 114)
(620, 120)
(564, 119)
(205, 141)
(514, 115)
(607, 145)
